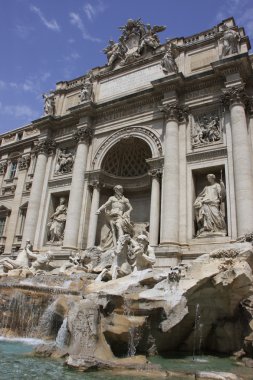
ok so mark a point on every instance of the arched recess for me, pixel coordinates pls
(146, 134)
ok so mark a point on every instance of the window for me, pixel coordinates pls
(13, 169)
(2, 225)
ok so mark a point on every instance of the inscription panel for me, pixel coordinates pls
(113, 87)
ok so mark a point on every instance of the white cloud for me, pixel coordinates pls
(76, 20)
(50, 24)
(23, 31)
(18, 111)
(91, 10)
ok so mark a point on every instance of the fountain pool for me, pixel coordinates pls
(16, 363)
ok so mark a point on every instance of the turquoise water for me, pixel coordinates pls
(16, 364)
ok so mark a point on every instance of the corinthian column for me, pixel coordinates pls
(154, 207)
(43, 149)
(93, 216)
(235, 99)
(82, 136)
(170, 184)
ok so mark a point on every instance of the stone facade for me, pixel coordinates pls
(157, 119)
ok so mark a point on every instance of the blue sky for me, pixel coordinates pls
(46, 41)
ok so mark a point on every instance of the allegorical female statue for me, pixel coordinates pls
(209, 208)
(56, 226)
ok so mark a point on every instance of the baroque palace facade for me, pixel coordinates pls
(172, 124)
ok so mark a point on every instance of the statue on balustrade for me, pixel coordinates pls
(86, 93)
(230, 40)
(210, 209)
(117, 211)
(49, 105)
(56, 226)
(168, 62)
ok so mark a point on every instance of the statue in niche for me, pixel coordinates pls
(65, 162)
(209, 208)
(207, 130)
(86, 93)
(168, 62)
(230, 40)
(22, 261)
(57, 222)
(117, 211)
(49, 104)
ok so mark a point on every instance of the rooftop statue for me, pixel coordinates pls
(86, 93)
(168, 62)
(49, 105)
(229, 41)
(136, 37)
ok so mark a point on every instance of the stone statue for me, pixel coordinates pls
(144, 255)
(22, 261)
(74, 262)
(49, 105)
(117, 210)
(57, 222)
(42, 262)
(207, 130)
(209, 208)
(136, 36)
(86, 93)
(230, 40)
(65, 162)
(168, 62)
(113, 52)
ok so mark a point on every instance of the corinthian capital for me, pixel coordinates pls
(83, 134)
(234, 95)
(46, 146)
(175, 112)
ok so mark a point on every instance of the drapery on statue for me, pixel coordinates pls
(168, 62)
(117, 211)
(230, 40)
(49, 105)
(87, 89)
(209, 208)
(57, 222)
(22, 261)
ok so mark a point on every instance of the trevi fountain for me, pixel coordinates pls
(125, 216)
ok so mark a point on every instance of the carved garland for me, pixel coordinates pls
(130, 131)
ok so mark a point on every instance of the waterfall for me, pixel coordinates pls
(197, 336)
(21, 315)
(63, 334)
(134, 333)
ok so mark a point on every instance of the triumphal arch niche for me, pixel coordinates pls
(162, 135)
(131, 157)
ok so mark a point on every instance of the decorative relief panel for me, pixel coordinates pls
(64, 161)
(206, 128)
